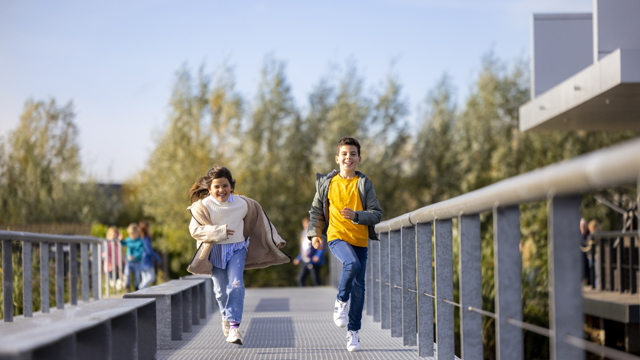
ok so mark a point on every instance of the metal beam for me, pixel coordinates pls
(444, 289)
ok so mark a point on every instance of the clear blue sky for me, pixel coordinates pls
(116, 59)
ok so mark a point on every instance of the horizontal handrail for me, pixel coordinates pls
(611, 235)
(37, 237)
(613, 166)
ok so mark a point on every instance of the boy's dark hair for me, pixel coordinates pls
(347, 140)
(200, 189)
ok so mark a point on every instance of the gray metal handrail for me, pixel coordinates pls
(404, 256)
(44, 240)
(617, 165)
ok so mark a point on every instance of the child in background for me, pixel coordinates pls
(309, 259)
(108, 256)
(147, 269)
(135, 251)
(345, 210)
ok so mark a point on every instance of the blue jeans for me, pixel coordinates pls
(228, 286)
(354, 267)
(147, 277)
(132, 267)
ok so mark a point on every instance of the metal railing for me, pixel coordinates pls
(58, 242)
(614, 261)
(399, 269)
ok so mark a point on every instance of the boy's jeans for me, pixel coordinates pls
(354, 266)
(132, 267)
(228, 286)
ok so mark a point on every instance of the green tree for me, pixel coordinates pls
(40, 170)
(183, 153)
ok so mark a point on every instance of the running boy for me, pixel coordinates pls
(345, 210)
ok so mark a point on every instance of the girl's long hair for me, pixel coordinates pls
(200, 189)
(145, 231)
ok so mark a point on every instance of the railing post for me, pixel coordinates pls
(104, 265)
(112, 273)
(565, 279)
(425, 285)
(375, 256)
(385, 294)
(7, 280)
(73, 273)
(84, 256)
(470, 286)
(409, 304)
(395, 275)
(27, 279)
(444, 289)
(59, 276)
(368, 281)
(44, 277)
(508, 272)
(95, 271)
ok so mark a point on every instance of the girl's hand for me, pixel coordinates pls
(348, 213)
(229, 232)
(280, 245)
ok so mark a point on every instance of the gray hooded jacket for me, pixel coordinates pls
(319, 213)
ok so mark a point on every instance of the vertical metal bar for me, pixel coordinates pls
(44, 277)
(592, 268)
(95, 271)
(619, 283)
(84, 256)
(601, 272)
(444, 289)
(508, 272)
(73, 273)
(565, 297)
(395, 277)
(609, 266)
(27, 280)
(105, 267)
(375, 256)
(7, 281)
(409, 301)
(112, 273)
(368, 282)
(470, 286)
(425, 285)
(59, 276)
(633, 285)
(385, 294)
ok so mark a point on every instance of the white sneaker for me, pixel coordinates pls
(353, 341)
(225, 328)
(340, 313)
(235, 336)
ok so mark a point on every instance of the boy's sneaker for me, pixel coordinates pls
(353, 341)
(225, 328)
(340, 313)
(235, 336)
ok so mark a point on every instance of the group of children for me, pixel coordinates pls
(139, 255)
(343, 213)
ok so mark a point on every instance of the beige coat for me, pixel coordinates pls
(263, 249)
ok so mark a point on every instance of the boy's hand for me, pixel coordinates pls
(296, 261)
(316, 241)
(348, 213)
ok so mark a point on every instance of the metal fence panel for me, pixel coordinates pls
(508, 270)
(470, 287)
(409, 301)
(444, 289)
(425, 286)
(565, 279)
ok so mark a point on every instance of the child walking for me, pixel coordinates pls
(345, 210)
(135, 251)
(233, 234)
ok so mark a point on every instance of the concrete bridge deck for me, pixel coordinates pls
(288, 323)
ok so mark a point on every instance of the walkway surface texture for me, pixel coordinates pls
(288, 323)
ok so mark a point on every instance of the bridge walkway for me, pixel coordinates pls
(288, 323)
